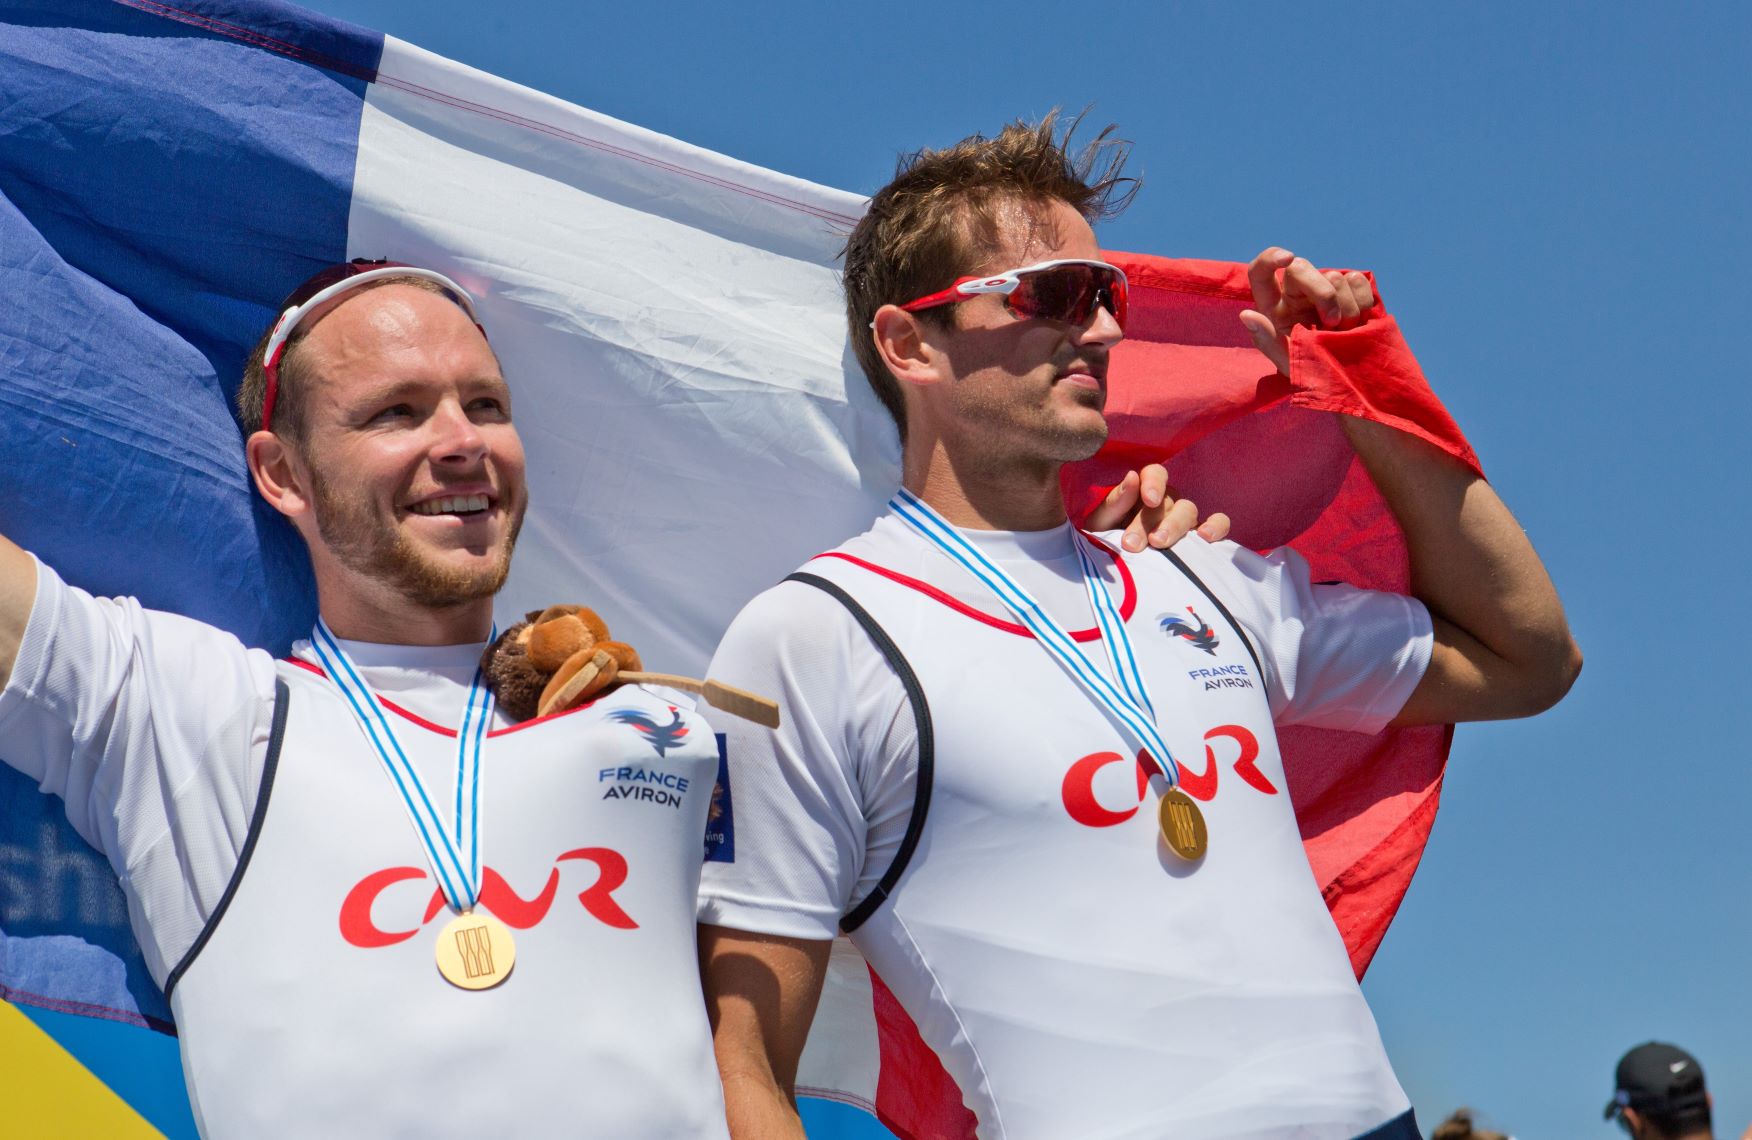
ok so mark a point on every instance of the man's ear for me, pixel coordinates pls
(279, 473)
(905, 346)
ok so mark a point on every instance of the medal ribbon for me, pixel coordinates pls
(1129, 703)
(454, 853)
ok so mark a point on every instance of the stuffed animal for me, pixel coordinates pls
(558, 658)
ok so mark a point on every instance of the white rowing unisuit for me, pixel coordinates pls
(305, 989)
(1074, 977)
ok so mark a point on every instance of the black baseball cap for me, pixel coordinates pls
(1658, 1078)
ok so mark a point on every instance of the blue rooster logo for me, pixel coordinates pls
(662, 737)
(1201, 635)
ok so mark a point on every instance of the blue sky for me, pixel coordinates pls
(1554, 199)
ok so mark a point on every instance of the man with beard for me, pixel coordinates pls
(1004, 770)
(378, 908)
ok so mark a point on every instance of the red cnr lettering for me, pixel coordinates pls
(505, 904)
(497, 897)
(1246, 764)
(599, 898)
(1078, 790)
(356, 924)
(1200, 785)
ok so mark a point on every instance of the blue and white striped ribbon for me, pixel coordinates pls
(1113, 635)
(454, 852)
(1130, 701)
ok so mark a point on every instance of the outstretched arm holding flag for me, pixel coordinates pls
(1502, 646)
(329, 858)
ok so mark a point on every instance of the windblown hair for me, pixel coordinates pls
(940, 219)
(289, 399)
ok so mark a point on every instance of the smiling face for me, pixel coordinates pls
(410, 475)
(1027, 392)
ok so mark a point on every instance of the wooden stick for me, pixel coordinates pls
(576, 683)
(737, 702)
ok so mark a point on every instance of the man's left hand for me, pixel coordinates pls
(1288, 291)
(1158, 518)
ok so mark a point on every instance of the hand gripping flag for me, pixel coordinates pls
(1187, 387)
(670, 320)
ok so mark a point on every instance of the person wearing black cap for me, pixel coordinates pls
(1660, 1095)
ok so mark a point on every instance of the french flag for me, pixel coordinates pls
(671, 322)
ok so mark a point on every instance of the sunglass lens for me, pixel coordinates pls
(1062, 293)
(1113, 297)
(1069, 293)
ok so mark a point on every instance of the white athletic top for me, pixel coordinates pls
(1074, 978)
(310, 1003)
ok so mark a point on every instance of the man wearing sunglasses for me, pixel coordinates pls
(377, 907)
(1035, 775)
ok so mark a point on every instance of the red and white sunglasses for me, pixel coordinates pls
(1068, 289)
(324, 287)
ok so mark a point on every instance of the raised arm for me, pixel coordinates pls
(761, 992)
(1502, 646)
(17, 595)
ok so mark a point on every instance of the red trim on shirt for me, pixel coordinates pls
(534, 720)
(416, 718)
(1127, 604)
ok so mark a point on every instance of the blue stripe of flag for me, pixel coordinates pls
(167, 172)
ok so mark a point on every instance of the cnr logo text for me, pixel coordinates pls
(1238, 747)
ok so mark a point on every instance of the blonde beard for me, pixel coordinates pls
(374, 548)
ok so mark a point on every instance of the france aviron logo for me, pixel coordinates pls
(662, 737)
(1201, 635)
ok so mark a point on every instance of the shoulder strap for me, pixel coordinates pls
(1221, 608)
(915, 695)
(276, 736)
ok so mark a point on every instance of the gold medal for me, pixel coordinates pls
(1183, 825)
(476, 952)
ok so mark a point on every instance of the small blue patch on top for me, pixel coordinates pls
(720, 825)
